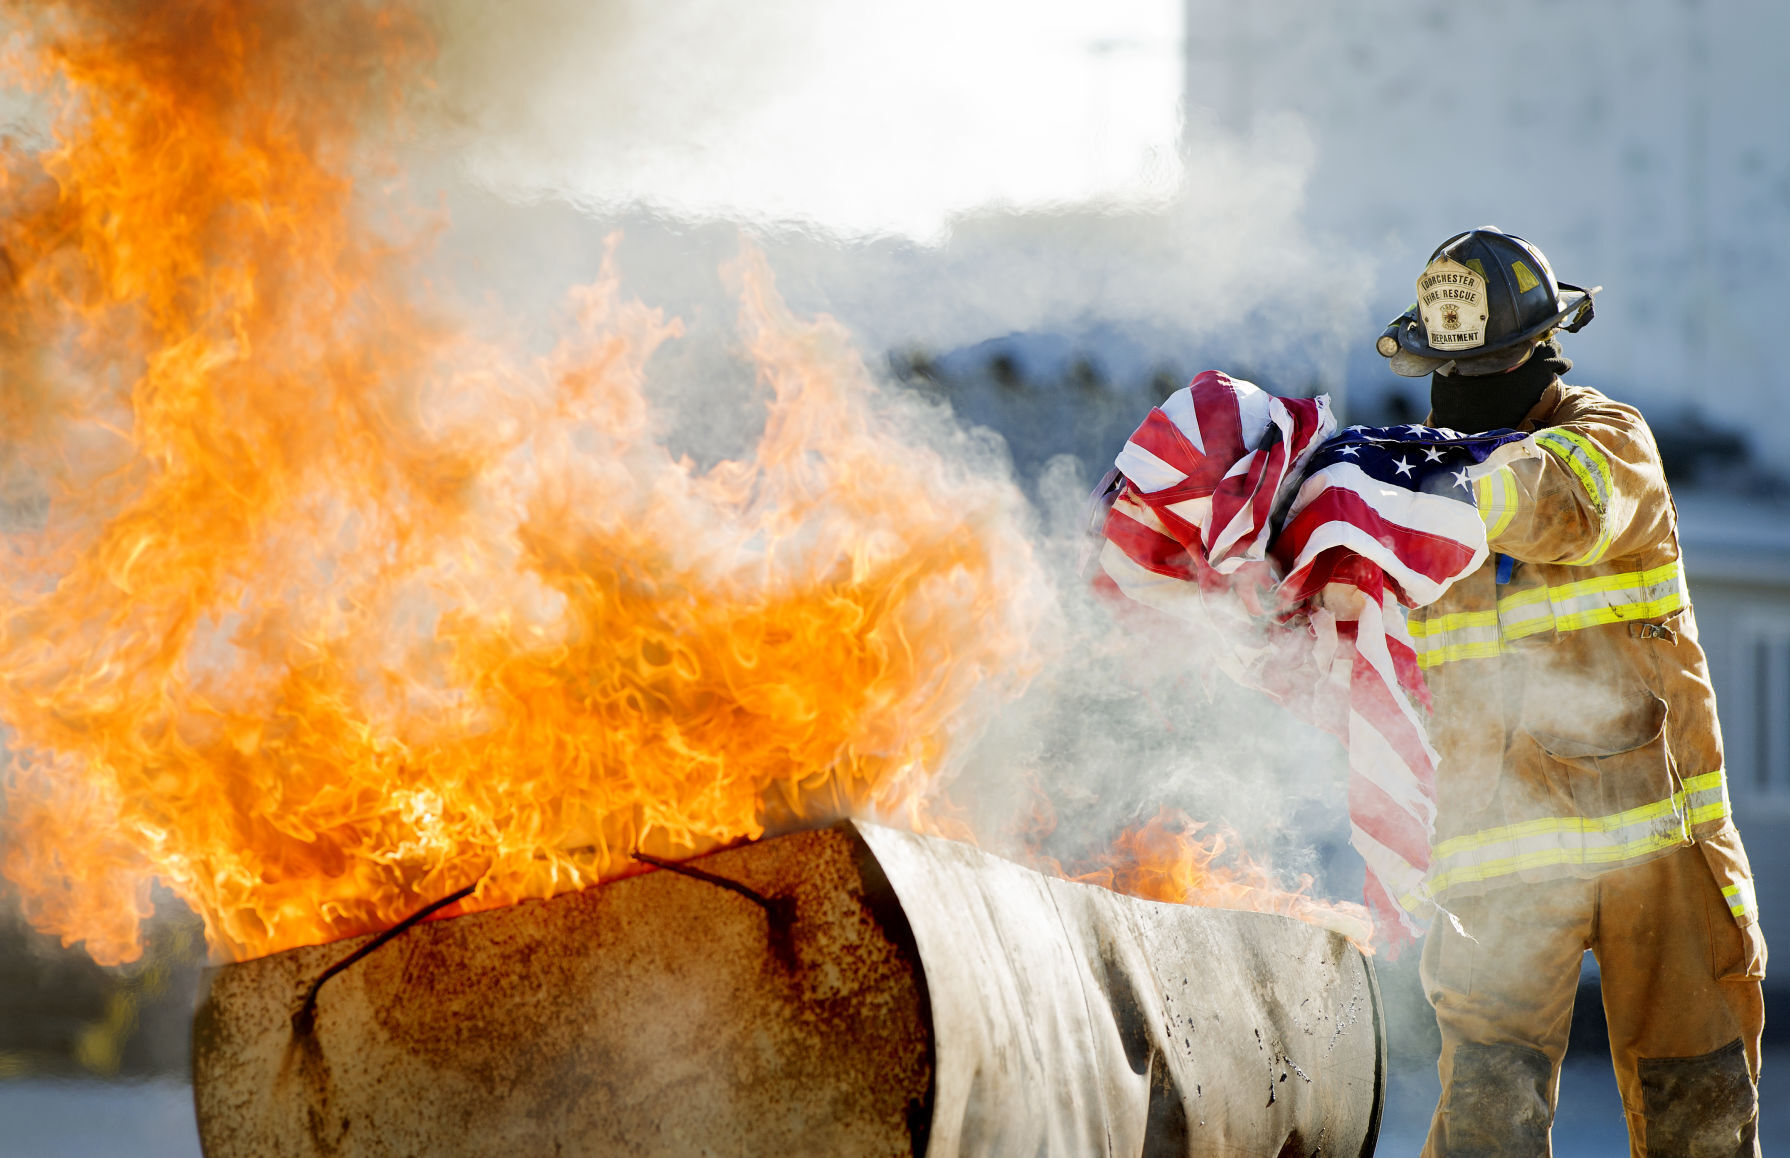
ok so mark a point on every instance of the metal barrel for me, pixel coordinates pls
(854, 990)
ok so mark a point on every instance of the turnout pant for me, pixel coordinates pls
(1681, 990)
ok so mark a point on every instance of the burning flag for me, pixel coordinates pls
(1237, 512)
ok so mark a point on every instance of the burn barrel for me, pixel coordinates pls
(854, 990)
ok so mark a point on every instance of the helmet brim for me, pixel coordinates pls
(1416, 358)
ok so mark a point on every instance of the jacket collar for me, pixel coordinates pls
(1543, 408)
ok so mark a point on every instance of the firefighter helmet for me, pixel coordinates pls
(1483, 301)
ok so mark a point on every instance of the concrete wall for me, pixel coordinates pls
(1737, 557)
(1638, 142)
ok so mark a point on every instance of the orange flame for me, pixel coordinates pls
(317, 608)
(1166, 859)
(325, 611)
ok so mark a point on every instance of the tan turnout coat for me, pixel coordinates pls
(1572, 705)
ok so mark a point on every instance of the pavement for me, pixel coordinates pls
(47, 1118)
(154, 1119)
(1588, 1122)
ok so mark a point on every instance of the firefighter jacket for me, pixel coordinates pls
(1572, 708)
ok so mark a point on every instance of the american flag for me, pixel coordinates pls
(1291, 552)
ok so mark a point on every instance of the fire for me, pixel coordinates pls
(1166, 859)
(317, 607)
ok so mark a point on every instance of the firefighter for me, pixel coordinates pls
(1582, 800)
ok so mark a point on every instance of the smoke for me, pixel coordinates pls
(1110, 730)
(858, 119)
(928, 225)
(1177, 260)
(933, 177)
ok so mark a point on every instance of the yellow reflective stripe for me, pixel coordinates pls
(1617, 581)
(1584, 459)
(1708, 797)
(1527, 612)
(1448, 653)
(1582, 456)
(1597, 551)
(1628, 595)
(1554, 857)
(1454, 621)
(1458, 635)
(1579, 840)
(1507, 485)
(1496, 497)
(1558, 825)
(1640, 609)
(1486, 499)
(1741, 901)
(1697, 783)
(1706, 812)
(1702, 785)
(1613, 598)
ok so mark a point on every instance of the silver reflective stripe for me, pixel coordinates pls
(1462, 635)
(1610, 598)
(1741, 901)
(1497, 499)
(1579, 841)
(1527, 612)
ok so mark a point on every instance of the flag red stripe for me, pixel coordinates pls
(1148, 547)
(1215, 408)
(1388, 821)
(1435, 557)
(1390, 920)
(1161, 437)
(1410, 672)
(1380, 706)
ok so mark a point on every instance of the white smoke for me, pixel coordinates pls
(859, 119)
(935, 178)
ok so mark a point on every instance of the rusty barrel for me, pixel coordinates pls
(854, 990)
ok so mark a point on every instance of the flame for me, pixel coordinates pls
(1166, 859)
(329, 609)
(316, 606)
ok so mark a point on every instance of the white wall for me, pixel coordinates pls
(1640, 143)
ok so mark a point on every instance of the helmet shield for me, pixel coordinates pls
(1451, 301)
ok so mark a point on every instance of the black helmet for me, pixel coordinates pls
(1483, 300)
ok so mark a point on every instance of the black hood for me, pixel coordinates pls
(1496, 401)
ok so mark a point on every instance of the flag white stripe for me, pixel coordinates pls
(1434, 514)
(1374, 759)
(1179, 407)
(1420, 587)
(1150, 473)
(1370, 641)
